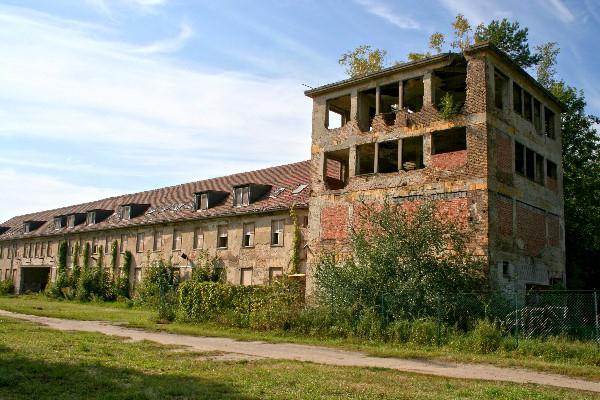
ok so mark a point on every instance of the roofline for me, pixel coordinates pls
(431, 60)
(386, 71)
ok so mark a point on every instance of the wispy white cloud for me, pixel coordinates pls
(560, 10)
(168, 45)
(64, 84)
(386, 13)
(106, 7)
(477, 11)
(50, 192)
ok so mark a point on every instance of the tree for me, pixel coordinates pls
(436, 42)
(510, 38)
(363, 60)
(462, 31)
(546, 66)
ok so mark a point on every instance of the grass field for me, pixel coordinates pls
(36, 362)
(569, 358)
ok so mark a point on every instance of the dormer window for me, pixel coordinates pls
(91, 218)
(126, 212)
(30, 226)
(241, 196)
(59, 222)
(71, 221)
(27, 227)
(202, 201)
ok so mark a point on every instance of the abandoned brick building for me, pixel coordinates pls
(377, 138)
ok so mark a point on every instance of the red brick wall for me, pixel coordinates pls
(504, 153)
(553, 230)
(334, 223)
(531, 229)
(504, 209)
(449, 160)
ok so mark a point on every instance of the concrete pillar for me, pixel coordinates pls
(427, 89)
(399, 154)
(377, 100)
(427, 149)
(400, 95)
(376, 157)
(352, 162)
(354, 105)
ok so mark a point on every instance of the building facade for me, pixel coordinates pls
(490, 156)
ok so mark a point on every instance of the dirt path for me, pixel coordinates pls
(316, 354)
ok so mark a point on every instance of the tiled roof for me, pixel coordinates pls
(176, 203)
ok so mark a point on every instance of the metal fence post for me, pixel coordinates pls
(516, 318)
(596, 313)
(439, 320)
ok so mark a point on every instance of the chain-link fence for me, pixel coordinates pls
(534, 314)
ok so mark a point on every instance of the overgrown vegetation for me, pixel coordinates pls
(296, 243)
(448, 107)
(6, 287)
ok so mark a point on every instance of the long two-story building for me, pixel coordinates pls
(495, 161)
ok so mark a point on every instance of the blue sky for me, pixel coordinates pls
(102, 97)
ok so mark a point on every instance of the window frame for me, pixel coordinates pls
(157, 241)
(222, 232)
(198, 243)
(123, 244)
(280, 234)
(241, 196)
(250, 235)
(177, 240)
(140, 238)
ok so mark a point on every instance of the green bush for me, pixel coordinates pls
(399, 331)
(159, 278)
(424, 332)
(6, 287)
(485, 337)
(448, 107)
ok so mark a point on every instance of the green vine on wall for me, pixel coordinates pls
(296, 243)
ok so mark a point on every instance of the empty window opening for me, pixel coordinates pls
(530, 163)
(365, 159)
(517, 99)
(246, 276)
(551, 170)
(95, 246)
(366, 109)
(277, 228)
(158, 242)
(550, 127)
(527, 106)
(248, 239)
(335, 169)
(519, 158)
(338, 112)
(448, 141)
(139, 245)
(389, 101)
(412, 153)
(412, 94)
(202, 201)
(387, 157)
(451, 80)
(500, 89)
(537, 115)
(198, 238)
(222, 237)
(539, 169)
(123, 248)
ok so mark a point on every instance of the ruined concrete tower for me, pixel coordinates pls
(496, 162)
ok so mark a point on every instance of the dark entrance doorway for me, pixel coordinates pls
(34, 279)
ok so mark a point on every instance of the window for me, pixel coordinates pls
(527, 106)
(157, 243)
(202, 201)
(389, 102)
(537, 115)
(37, 249)
(448, 141)
(366, 109)
(335, 169)
(539, 169)
(365, 159)
(49, 249)
(412, 153)
(412, 94)
(387, 157)
(198, 238)
(123, 243)
(58, 222)
(43, 249)
(506, 270)
(177, 240)
(275, 274)
(94, 246)
(277, 232)
(549, 129)
(500, 85)
(26, 253)
(139, 245)
(530, 163)
(91, 218)
(517, 99)
(246, 276)
(248, 238)
(71, 221)
(241, 196)
(27, 227)
(222, 237)
(338, 112)
(551, 170)
(519, 158)
(125, 212)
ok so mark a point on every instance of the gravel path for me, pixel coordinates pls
(316, 354)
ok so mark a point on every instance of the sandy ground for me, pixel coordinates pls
(316, 354)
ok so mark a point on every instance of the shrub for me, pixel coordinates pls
(6, 287)
(159, 278)
(399, 331)
(207, 268)
(486, 337)
(56, 289)
(424, 332)
(122, 282)
(448, 107)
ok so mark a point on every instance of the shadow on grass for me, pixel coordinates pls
(24, 378)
